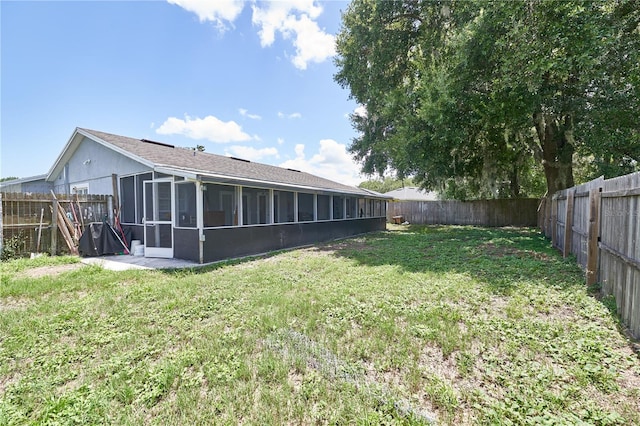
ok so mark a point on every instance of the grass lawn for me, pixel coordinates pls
(459, 325)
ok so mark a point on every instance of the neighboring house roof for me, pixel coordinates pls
(411, 193)
(201, 165)
(22, 180)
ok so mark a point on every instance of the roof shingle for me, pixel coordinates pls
(161, 154)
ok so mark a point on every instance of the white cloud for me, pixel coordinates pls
(250, 153)
(210, 128)
(295, 20)
(290, 116)
(360, 111)
(243, 112)
(332, 161)
(280, 141)
(311, 43)
(220, 12)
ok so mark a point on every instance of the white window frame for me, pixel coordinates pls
(81, 188)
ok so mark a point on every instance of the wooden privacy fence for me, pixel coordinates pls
(504, 212)
(34, 217)
(599, 222)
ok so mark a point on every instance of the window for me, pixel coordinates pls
(283, 206)
(219, 205)
(81, 188)
(378, 209)
(352, 207)
(305, 207)
(338, 207)
(186, 205)
(140, 179)
(127, 200)
(362, 207)
(255, 206)
(324, 207)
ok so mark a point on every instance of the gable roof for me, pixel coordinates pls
(186, 162)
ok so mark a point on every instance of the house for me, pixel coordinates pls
(203, 207)
(411, 193)
(37, 184)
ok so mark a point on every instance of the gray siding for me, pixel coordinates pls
(97, 171)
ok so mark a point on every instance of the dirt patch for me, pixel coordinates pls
(355, 244)
(52, 270)
(11, 303)
(491, 249)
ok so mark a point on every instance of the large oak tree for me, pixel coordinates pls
(484, 95)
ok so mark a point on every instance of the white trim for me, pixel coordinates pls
(163, 252)
(80, 186)
(239, 209)
(315, 207)
(272, 184)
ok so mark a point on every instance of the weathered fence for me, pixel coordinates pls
(32, 218)
(599, 222)
(504, 212)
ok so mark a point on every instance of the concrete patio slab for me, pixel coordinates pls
(124, 262)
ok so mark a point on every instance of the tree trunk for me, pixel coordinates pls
(555, 134)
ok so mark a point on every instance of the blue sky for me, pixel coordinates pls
(248, 79)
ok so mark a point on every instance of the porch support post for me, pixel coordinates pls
(330, 207)
(344, 207)
(200, 219)
(239, 206)
(271, 208)
(315, 207)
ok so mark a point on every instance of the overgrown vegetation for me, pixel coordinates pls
(13, 247)
(464, 325)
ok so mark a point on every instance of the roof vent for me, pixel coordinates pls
(294, 170)
(157, 143)
(240, 159)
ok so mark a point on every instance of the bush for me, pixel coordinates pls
(13, 247)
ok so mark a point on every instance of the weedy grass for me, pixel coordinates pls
(456, 325)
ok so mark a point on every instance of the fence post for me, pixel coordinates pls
(568, 224)
(554, 220)
(1, 228)
(593, 236)
(54, 229)
(541, 214)
(110, 208)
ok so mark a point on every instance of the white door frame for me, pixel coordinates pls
(163, 248)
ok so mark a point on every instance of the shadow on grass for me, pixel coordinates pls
(499, 256)
(609, 302)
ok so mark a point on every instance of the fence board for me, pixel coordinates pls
(614, 260)
(21, 217)
(507, 212)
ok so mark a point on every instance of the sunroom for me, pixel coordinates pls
(206, 217)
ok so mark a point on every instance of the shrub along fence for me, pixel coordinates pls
(599, 222)
(29, 223)
(504, 212)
